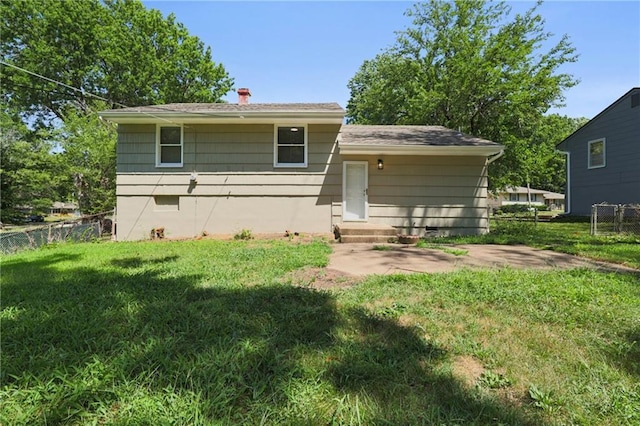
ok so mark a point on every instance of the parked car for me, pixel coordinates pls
(34, 218)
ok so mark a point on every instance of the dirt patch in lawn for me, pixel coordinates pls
(320, 278)
(468, 369)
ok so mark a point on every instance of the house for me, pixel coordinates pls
(603, 157)
(520, 195)
(60, 207)
(221, 168)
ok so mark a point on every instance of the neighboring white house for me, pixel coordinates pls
(59, 207)
(522, 195)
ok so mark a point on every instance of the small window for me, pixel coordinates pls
(597, 153)
(166, 203)
(513, 197)
(169, 146)
(290, 146)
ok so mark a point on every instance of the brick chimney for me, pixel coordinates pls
(243, 96)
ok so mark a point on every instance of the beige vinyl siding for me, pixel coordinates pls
(239, 188)
(220, 148)
(253, 184)
(447, 192)
(137, 215)
(136, 147)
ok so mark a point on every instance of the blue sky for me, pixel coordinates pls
(308, 51)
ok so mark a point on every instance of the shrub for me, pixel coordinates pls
(515, 208)
(245, 234)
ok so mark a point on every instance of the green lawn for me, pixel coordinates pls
(213, 332)
(565, 237)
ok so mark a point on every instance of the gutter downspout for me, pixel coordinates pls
(489, 161)
(495, 157)
(567, 197)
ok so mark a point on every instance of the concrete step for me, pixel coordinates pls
(365, 232)
(366, 229)
(365, 238)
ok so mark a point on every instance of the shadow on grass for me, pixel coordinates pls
(79, 342)
(628, 354)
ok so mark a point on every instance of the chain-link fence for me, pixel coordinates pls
(615, 219)
(11, 242)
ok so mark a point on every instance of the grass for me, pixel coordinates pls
(444, 248)
(211, 332)
(566, 237)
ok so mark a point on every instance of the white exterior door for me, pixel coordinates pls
(354, 191)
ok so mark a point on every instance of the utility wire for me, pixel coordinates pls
(41, 88)
(85, 93)
(75, 89)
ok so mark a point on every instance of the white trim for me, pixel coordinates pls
(567, 197)
(366, 188)
(224, 117)
(374, 149)
(305, 164)
(158, 150)
(495, 157)
(604, 153)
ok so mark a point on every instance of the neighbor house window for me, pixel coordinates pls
(597, 153)
(290, 146)
(513, 197)
(169, 143)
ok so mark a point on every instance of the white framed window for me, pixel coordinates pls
(597, 153)
(290, 146)
(169, 145)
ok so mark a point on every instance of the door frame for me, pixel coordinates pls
(345, 164)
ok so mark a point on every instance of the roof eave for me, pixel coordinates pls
(483, 151)
(253, 117)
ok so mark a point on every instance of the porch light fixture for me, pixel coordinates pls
(380, 164)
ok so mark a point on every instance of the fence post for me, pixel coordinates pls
(594, 220)
(619, 217)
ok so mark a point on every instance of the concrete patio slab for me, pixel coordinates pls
(363, 259)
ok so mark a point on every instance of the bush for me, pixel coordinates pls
(245, 234)
(521, 208)
(515, 208)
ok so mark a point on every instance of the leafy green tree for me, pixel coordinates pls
(28, 170)
(115, 49)
(534, 160)
(87, 51)
(89, 152)
(468, 65)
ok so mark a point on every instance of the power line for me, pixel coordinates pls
(75, 89)
(41, 88)
(85, 93)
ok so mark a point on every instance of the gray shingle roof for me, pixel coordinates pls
(354, 135)
(204, 108)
